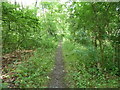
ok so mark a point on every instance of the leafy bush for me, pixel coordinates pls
(82, 70)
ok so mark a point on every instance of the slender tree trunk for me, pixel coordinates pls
(36, 3)
(101, 53)
(95, 42)
(15, 2)
(22, 4)
(9, 26)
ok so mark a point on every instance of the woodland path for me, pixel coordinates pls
(57, 76)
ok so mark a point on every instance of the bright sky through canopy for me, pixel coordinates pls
(31, 2)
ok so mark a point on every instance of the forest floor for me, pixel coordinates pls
(58, 73)
(10, 63)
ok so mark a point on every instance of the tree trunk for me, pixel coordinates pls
(36, 3)
(95, 42)
(101, 54)
(15, 2)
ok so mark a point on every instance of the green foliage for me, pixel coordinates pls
(95, 25)
(91, 48)
(18, 24)
(81, 63)
(3, 85)
(22, 29)
(34, 72)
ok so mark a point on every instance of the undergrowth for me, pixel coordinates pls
(81, 67)
(34, 72)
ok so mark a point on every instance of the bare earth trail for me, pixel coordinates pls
(57, 77)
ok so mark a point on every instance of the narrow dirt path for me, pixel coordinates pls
(57, 77)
